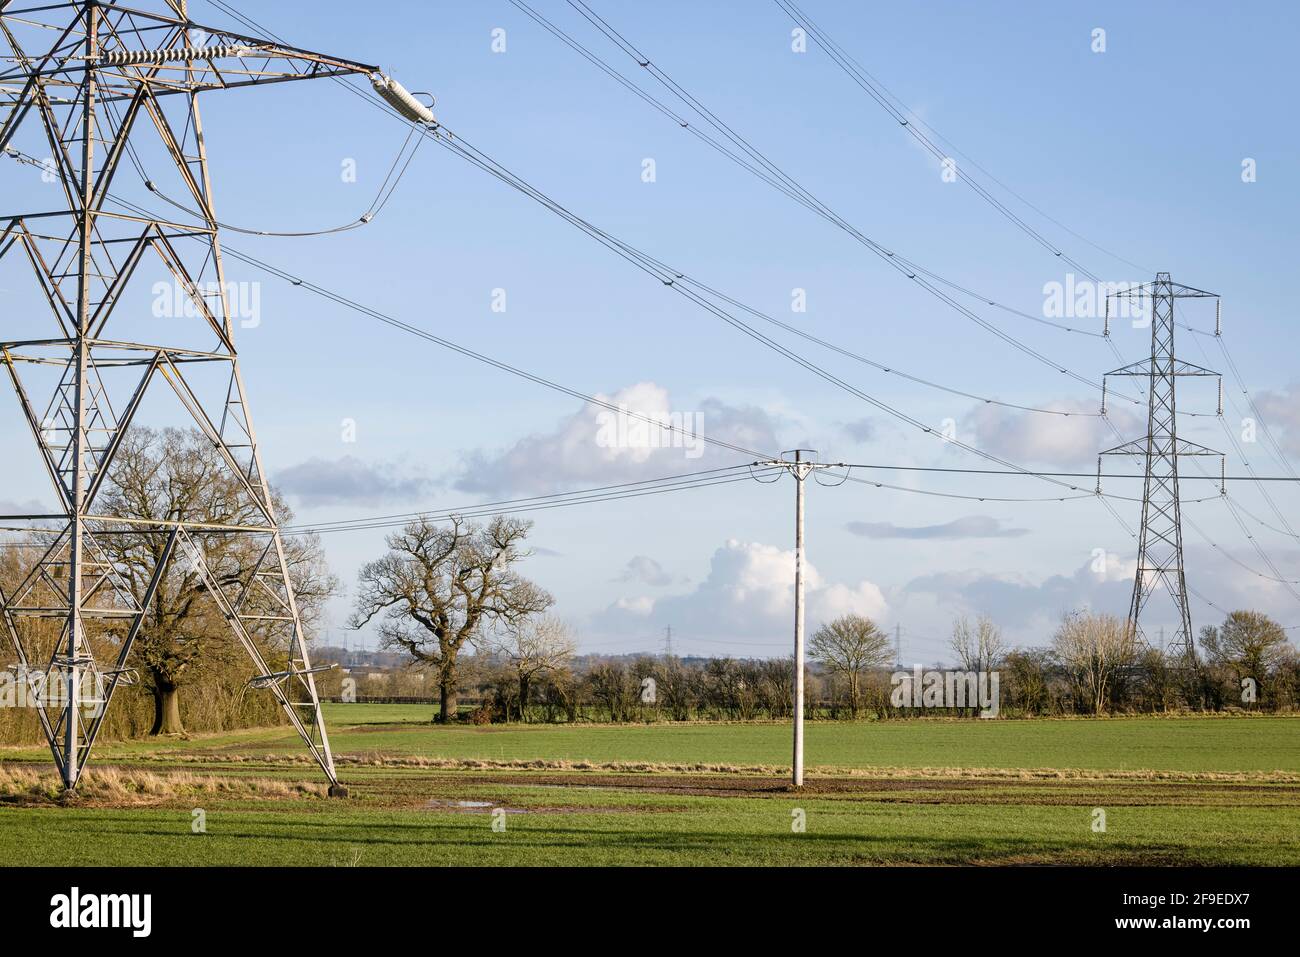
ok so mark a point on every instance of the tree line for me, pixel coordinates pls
(1093, 666)
(451, 597)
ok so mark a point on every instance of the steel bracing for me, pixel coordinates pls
(1160, 566)
(86, 83)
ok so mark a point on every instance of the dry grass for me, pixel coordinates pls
(131, 786)
(646, 767)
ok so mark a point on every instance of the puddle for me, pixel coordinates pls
(440, 805)
(477, 807)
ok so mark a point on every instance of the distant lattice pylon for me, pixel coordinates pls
(1160, 566)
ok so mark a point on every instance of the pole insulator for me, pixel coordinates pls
(400, 99)
(138, 57)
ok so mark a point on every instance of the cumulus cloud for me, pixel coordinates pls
(640, 606)
(748, 594)
(647, 571)
(598, 445)
(971, 526)
(348, 481)
(1050, 440)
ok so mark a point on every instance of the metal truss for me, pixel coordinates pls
(87, 80)
(1160, 540)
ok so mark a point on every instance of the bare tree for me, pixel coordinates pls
(441, 586)
(1249, 643)
(175, 474)
(535, 647)
(850, 646)
(614, 688)
(978, 648)
(1095, 648)
(674, 687)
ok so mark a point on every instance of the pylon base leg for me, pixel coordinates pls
(338, 791)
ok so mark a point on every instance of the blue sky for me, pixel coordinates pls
(1138, 148)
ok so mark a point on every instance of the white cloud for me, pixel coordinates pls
(597, 445)
(748, 594)
(640, 606)
(1051, 440)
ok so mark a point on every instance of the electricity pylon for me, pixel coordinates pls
(800, 463)
(1160, 539)
(110, 73)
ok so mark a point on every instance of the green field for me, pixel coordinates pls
(1173, 790)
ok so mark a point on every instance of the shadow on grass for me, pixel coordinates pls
(545, 841)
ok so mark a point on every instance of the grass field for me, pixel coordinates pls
(1173, 790)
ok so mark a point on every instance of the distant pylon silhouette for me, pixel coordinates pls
(79, 80)
(1160, 539)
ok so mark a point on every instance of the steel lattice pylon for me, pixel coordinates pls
(1160, 538)
(111, 71)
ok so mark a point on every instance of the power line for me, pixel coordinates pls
(406, 327)
(428, 336)
(668, 277)
(646, 264)
(917, 128)
(793, 189)
(477, 356)
(609, 493)
(311, 287)
(758, 165)
(1126, 475)
(385, 193)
